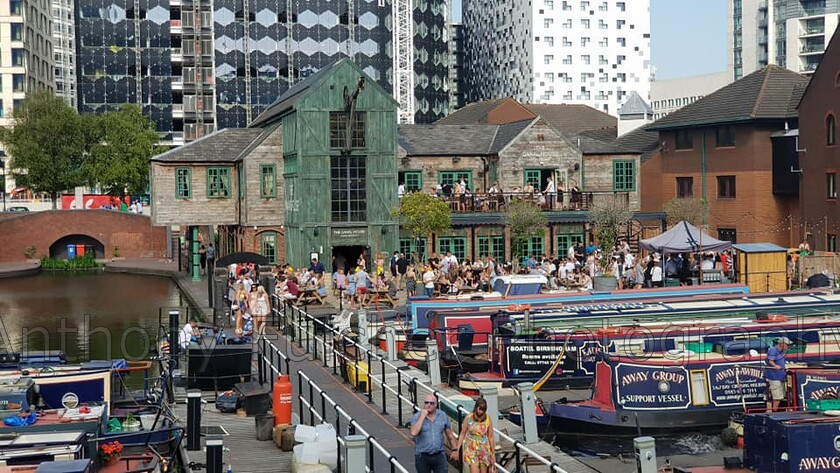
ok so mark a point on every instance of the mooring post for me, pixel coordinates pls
(174, 328)
(491, 395)
(391, 342)
(215, 448)
(354, 454)
(433, 362)
(645, 448)
(528, 408)
(194, 420)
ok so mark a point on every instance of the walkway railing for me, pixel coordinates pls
(311, 333)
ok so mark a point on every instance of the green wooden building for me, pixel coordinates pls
(339, 165)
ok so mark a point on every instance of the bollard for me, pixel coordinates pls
(174, 328)
(194, 419)
(391, 342)
(215, 447)
(645, 448)
(433, 362)
(491, 395)
(527, 406)
(354, 453)
(363, 340)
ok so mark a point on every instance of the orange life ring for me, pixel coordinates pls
(773, 318)
(609, 330)
(519, 307)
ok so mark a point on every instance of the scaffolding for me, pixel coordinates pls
(403, 66)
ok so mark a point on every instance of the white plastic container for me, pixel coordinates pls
(329, 459)
(148, 421)
(305, 433)
(326, 433)
(306, 453)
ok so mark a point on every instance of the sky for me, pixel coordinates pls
(688, 37)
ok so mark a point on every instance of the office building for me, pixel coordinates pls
(669, 95)
(557, 51)
(456, 63)
(789, 33)
(64, 49)
(200, 65)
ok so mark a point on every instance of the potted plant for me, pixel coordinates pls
(131, 423)
(607, 216)
(109, 453)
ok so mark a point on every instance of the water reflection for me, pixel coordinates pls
(89, 316)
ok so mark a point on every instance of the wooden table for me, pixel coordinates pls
(382, 296)
(310, 296)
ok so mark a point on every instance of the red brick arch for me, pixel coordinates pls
(132, 234)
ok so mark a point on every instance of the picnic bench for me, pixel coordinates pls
(382, 296)
(309, 296)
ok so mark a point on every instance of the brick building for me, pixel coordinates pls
(734, 148)
(819, 112)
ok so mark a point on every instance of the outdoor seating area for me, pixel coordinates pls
(499, 201)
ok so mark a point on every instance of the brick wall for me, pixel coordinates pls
(167, 209)
(133, 234)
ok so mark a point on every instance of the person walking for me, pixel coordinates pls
(211, 259)
(477, 439)
(774, 374)
(429, 428)
(202, 257)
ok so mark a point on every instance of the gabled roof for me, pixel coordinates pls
(644, 140)
(635, 105)
(572, 118)
(222, 146)
(472, 114)
(458, 140)
(769, 93)
(288, 99)
(568, 118)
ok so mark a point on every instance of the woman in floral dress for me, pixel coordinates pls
(477, 439)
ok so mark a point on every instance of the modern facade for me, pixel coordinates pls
(456, 65)
(789, 33)
(557, 51)
(64, 49)
(669, 95)
(26, 57)
(201, 65)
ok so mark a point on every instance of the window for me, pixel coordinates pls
(18, 82)
(831, 185)
(685, 187)
(456, 245)
(18, 56)
(726, 187)
(532, 247)
(548, 22)
(831, 243)
(413, 180)
(411, 246)
(548, 58)
(17, 31)
(727, 234)
(564, 242)
(624, 176)
(684, 139)
(268, 180)
(620, 6)
(584, 23)
(451, 177)
(699, 388)
(269, 246)
(348, 188)
(549, 40)
(183, 184)
(218, 183)
(724, 136)
(532, 176)
(493, 245)
(338, 130)
(830, 131)
(16, 7)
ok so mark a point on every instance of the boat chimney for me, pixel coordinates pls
(527, 318)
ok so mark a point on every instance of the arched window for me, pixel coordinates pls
(830, 131)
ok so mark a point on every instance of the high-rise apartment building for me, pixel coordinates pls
(64, 49)
(592, 52)
(26, 56)
(456, 64)
(200, 65)
(788, 33)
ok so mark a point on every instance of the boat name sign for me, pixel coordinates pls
(730, 383)
(643, 387)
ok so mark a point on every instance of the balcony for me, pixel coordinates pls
(177, 110)
(812, 31)
(808, 68)
(177, 83)
(499, 202)
(176, 55)
(812, 49)
(175, 26)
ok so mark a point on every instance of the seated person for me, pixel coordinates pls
(392, 287)
(219, 335)
(245, 335)
(188, 335)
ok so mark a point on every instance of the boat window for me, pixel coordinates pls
(699, 388)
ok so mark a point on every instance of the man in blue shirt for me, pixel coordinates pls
(317, 267)
(774, 374)
(428, 427)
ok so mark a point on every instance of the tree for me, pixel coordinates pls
(526, 221)
(422, 215)
(119, 159)
(607, 216)
(693, 211)
(47, 143)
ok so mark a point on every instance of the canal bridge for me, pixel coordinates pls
(107, 233)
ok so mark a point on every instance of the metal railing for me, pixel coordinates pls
(487, 202)
(310, 333)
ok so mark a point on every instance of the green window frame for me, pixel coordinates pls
(413, 180)
(268, 245)
(624, 176)
(218, 182)
(492, 245)
(290, 164)
(457, 245)
(338, 130)
(409, 246)
(532, 176)
(564, 241)
(451, 177)
(268, 180)
(183, 183)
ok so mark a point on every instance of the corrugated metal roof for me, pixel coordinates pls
(759, 248)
